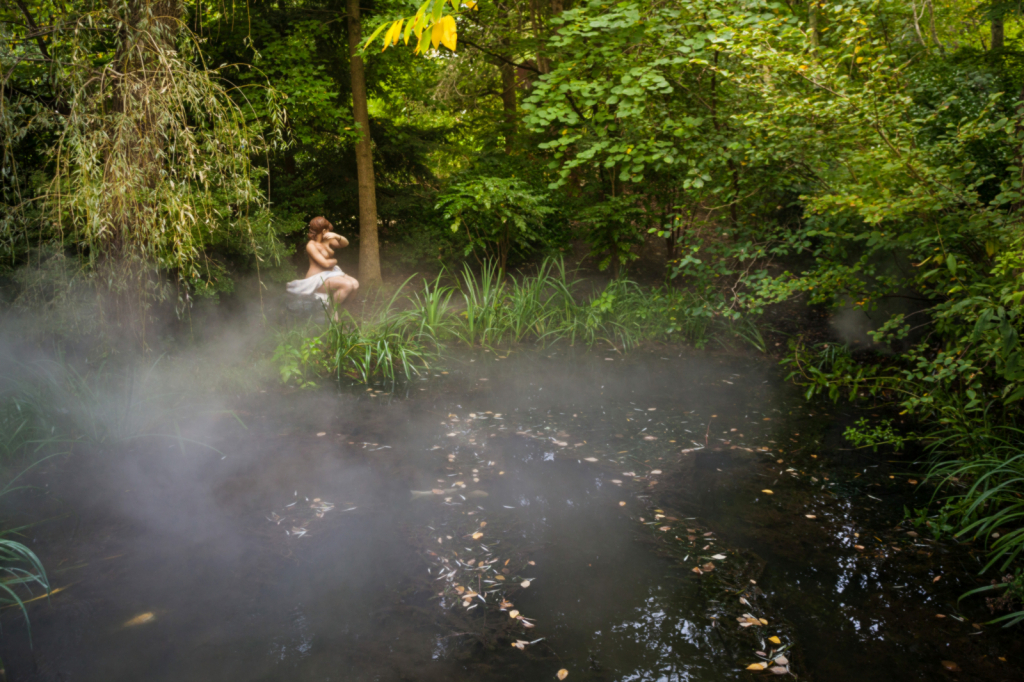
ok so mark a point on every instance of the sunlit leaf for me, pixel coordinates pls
(562, 674)
(774, 640)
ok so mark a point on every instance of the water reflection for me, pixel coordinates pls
(563, 462)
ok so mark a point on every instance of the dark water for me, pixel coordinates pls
(225, 581)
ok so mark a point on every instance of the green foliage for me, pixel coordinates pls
(495, 216)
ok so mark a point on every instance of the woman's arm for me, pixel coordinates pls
(336, 240)
(318, 258)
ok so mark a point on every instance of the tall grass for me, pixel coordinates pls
(978, 469)
(490, 309)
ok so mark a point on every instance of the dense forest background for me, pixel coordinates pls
(864, 156)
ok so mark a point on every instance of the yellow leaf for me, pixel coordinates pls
(470, 4)
(436, 33)
(418, 22)
(139, 619)
(755, 666)
(774, 640)
(562, 674)
(449, 32)
(398, 31)
(513, 614)
(388, 36)
(477, 536)
(767, 492)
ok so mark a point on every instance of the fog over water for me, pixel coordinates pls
(322, 534)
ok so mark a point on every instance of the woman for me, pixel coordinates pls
(324, 279)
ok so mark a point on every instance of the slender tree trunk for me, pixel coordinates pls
(369, 249)
(998, 33)
(508, 103)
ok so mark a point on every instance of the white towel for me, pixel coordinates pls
(309, 286)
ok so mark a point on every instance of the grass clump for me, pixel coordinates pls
(489, 309)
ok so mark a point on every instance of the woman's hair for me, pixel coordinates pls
(318, 225)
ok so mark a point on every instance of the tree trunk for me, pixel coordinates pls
(998, 33)
(369, 249)
(508, 103)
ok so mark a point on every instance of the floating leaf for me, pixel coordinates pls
(767, 492)
(665, 528)
(774, 640)
(951, 666)
(755, 666)
(782, 660)
(437, 491)
(562, 674)
(477, 536)
(525, 583)
(718, 556)
(622, 504)
(810, 516)
(322, 433)
(708, 567)
(778, 670)
(513, 613)
(140, 619)
(590, 459)
(655, 472)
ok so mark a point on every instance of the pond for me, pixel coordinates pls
(659, 516)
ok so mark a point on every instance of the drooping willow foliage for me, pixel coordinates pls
(149, 157)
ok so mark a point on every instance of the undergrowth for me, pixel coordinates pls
(490, 309)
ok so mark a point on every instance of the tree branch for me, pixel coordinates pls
(35, 28)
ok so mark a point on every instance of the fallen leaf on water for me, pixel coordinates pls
(520, 644)
(477, 536)
(774, 640)
(744, 601)
(622, 504)
(768, 492)
(696, 569)
(322, 433)
(562, 674)
(762, 621)
(650, 438)
(810, 516)
(500, 577)
(665, 528)
(779, 670)
(755, 666)
(513, 614)
(951, 666)
(937, 579)
(655, 472)
(590, 459)
(483, 524)
(912, 482)
(525, 583)
(858, 546)
(532, 563)
(437, 491)
(707, 567)
(616, 481)
(718, 557)
(140, 619)
(782, 660)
